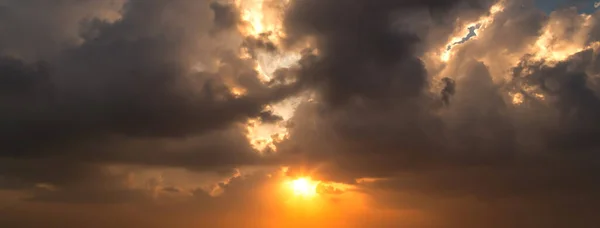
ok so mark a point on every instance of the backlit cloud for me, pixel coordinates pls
(298, 113)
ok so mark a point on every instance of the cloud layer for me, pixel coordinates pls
(143, 111)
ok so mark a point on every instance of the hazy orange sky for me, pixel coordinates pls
(299, 113)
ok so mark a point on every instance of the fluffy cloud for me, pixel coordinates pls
(130, 87)
(484, 144)
(430, 113)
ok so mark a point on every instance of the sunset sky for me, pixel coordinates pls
(299, 113)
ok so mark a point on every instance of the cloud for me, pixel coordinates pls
(482, 144)
(128, 92)
(356, 39)
(225, 17)
(100, 102)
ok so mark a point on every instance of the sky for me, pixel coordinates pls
(299, 113)
(584, 6)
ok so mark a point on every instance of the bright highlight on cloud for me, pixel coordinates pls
(472, 29)
(261, 23)
(208, 113)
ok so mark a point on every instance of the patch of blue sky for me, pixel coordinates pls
(583, 6)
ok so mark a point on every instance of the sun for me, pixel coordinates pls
(304, 187)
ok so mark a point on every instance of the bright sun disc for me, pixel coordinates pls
(304, 187)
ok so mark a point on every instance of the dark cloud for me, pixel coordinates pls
(371, 83)
(260, 43)
(449, 90)
(86, 87)
(35, 29)
(129, 94)
(356, 39)
(226, 16)
(269, 117)
(568, 90)
(480, 145)
(480, 150)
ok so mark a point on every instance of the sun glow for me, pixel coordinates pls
(304, 187)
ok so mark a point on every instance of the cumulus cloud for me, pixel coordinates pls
(525, 151)
(463, 113)
(128, 91)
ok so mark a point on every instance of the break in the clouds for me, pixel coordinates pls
(194, 113)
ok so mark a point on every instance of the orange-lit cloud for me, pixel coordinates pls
(263, 20)
(478, 26)
(298, 113)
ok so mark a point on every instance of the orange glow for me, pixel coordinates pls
(552, 47)
(238, 91)
(304, 187)
(517, 98)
